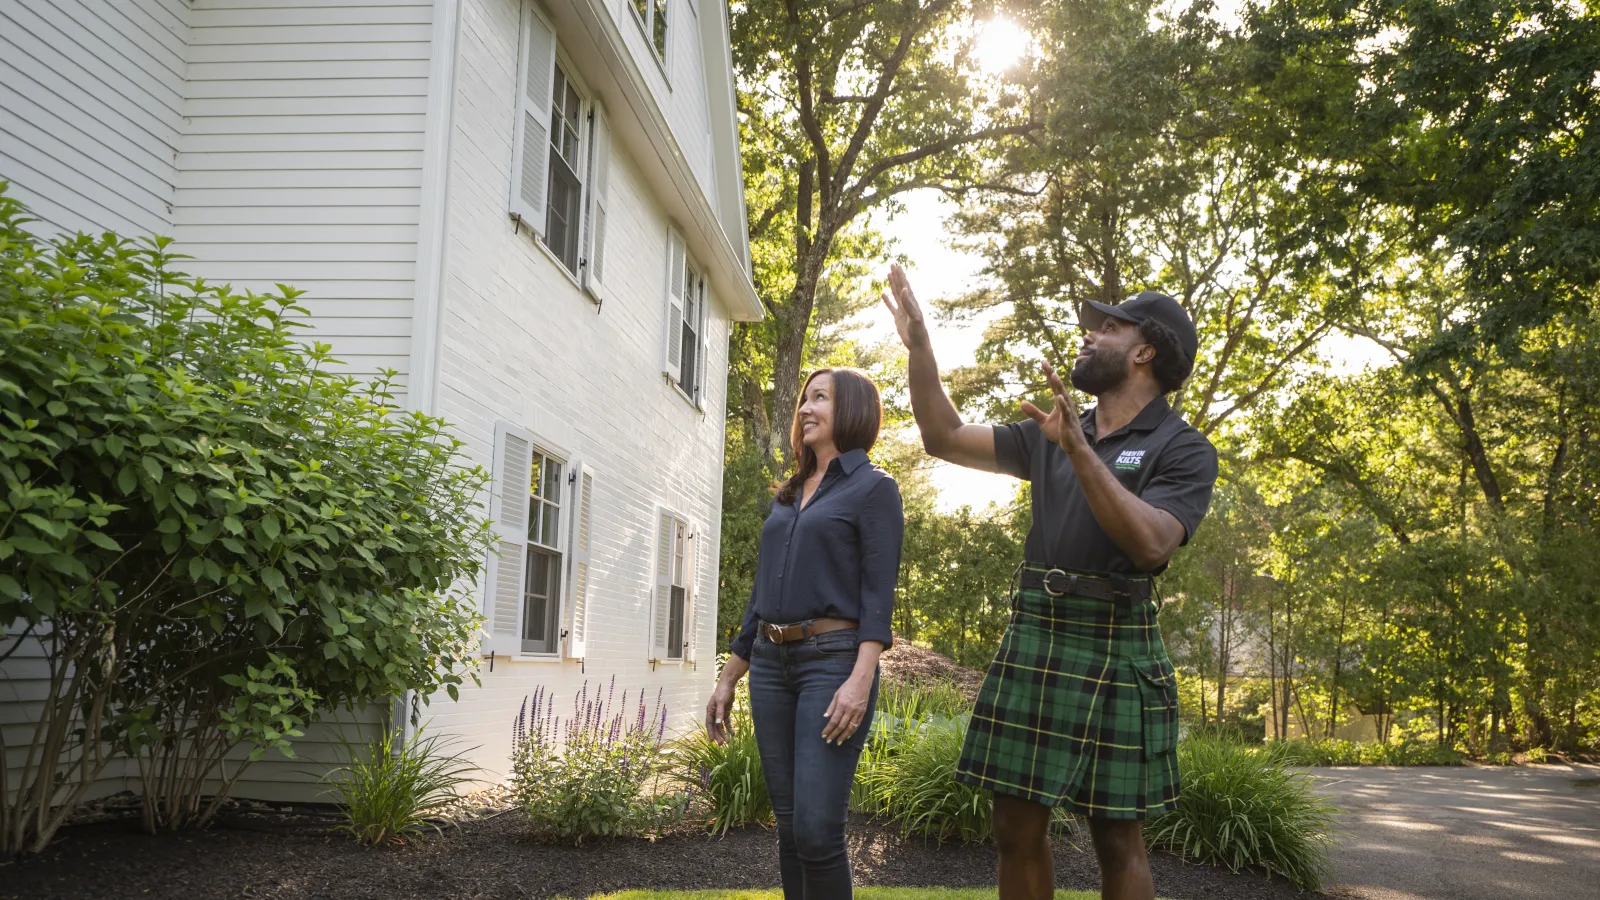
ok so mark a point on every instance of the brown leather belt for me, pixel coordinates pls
(799, 631)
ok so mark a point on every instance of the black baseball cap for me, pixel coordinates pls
(1141, 307)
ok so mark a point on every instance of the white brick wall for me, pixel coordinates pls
(522, 343)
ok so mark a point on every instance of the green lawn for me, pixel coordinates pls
(861, 894)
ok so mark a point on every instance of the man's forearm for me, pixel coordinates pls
(1143, 532)
(937, 418)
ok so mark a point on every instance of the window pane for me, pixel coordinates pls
(660, 24)
(541, 626)
(686, 378)
(641, 8)
(533, 519)
(552, 481)
(533, 481)
(552, 522)
(570, 141)
(536, 596)
(561, 220)
(675, 625)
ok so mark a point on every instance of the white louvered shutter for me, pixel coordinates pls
(691, 594)
(675, 303)
(661, 605)
(594, 241)
(578, 588)
(507, 566)
(530, 171)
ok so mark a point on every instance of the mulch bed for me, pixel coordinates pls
(907, 663)
(295, 856)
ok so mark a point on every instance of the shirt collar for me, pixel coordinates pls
(850, 461)
(1154, 413)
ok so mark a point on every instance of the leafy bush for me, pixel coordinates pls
(213, 535)
(387, 791)
(727, 776)
(1364, 753)
(592, 775)
(1242, 808)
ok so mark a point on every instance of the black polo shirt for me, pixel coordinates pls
(1158, 457)
(838, 558)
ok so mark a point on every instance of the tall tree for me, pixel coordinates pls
(847, 104)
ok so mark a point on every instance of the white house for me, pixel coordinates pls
(532, 209)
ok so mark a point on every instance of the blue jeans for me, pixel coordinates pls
(808, 780)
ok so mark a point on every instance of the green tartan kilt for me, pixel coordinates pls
(1079, 709)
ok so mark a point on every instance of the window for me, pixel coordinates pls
(536, 596)
(566, 190)
(541, 593)
(673, 612)
(685, 337)
(652, 17)
(561, 156)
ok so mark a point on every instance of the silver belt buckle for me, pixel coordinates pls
(1049, 590)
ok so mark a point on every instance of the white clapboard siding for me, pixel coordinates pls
(301, 161)
(91, 97)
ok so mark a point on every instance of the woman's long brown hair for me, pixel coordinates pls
(857, 416)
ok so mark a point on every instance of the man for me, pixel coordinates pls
(1079, 708)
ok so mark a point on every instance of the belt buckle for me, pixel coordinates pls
(1052, 591)
(772, 632)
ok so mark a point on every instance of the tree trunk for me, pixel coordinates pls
(1338, 661)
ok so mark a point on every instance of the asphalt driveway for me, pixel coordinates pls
(1467, 833)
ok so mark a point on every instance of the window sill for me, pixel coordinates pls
(539, 658)
(561, 266)
(683, 394)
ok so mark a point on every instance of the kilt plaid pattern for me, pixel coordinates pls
(1079, 709)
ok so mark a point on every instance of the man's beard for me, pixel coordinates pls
(1101, 371)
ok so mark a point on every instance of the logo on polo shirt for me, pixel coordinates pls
(1129, 460)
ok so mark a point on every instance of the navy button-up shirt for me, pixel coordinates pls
(836, 558)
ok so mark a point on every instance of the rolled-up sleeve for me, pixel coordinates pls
(882, 526)
(746, 641)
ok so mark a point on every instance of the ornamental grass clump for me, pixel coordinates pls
(726, 777)
(595, 774)
(1241, 808)
(389, 789)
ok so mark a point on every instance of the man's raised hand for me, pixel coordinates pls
(902, 304)
(1063, 413)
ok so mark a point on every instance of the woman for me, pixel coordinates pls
(818, 619)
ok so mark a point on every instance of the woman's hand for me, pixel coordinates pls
(848, 709)
(719, 724)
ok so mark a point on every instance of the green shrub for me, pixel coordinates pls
(1321, 752)
(591, 776)
(727, 776)
(215, 536)
(1242, 808)
(387, 790)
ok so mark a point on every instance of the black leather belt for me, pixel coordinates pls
(1060, 583)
